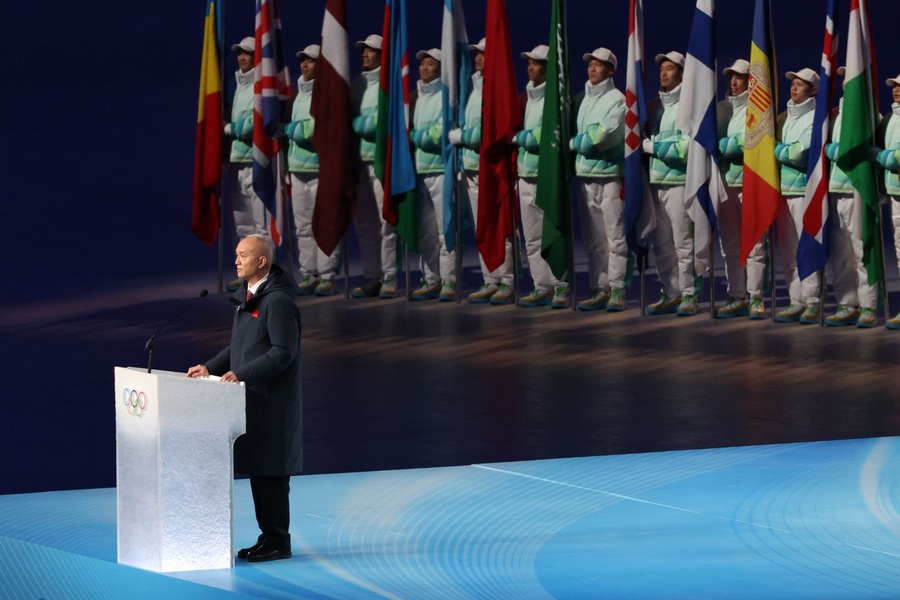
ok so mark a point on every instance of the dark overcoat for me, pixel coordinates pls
(265, 355)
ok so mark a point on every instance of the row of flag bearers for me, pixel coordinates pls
(466, 148)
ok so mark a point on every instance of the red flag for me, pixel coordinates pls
(331, 137)
(501, 119)
(208, 153)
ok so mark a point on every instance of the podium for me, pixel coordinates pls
(174, 469)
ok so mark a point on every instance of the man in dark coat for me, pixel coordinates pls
(265, 354)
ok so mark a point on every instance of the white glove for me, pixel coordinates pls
(572, 144)
(513, 141)
(227, 128)
(647, 146)
(455, 137)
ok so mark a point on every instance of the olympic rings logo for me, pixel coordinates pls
(135, 402)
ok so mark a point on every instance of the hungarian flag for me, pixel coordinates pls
(703, 189)
(271, 87)
(455, 72)
(762, 186)
(331, 137)
(858, 121)
(500, 120)
(639, 216)
(393, 157)
(812, 249)
(553, 158)
(205, 218)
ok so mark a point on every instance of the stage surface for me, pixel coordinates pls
(794, 521)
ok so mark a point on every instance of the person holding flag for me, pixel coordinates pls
(792, 152)
(377, 237)
(741, 282)
(317, 269)
(857, 300)
(247, 207)
(599, 145)
(438, 264)
(672, 238)
(498, 284)
(548, 289)
(889, 160)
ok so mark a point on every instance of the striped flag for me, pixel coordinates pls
(762, 187)
(331, 109)
(812, 249)
(858, 121)
(703, 189)
(639, 216)
(456, 68)
(500, 120)
(205, 217)
(393, 157)
(553, 158)
(271, 87)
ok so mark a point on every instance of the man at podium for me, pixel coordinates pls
(265, 354)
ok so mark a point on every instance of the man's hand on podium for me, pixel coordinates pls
(198, 371)
(230, 377)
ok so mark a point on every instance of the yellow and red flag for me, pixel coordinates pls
(208, 155)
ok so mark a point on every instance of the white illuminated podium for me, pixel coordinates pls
(174, 469)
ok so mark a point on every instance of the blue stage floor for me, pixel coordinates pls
(809, 520)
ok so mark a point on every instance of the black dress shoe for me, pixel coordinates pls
(243, 552)
(266, 553)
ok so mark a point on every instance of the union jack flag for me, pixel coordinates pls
(271, 86)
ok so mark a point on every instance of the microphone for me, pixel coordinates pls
(149, 345)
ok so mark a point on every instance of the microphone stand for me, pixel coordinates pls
(149, 345)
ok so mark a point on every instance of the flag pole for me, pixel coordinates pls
(220, 48)
(516, 240)
(458, 208)
(772, 269)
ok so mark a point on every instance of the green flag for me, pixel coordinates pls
(857, 135)
(553, 157)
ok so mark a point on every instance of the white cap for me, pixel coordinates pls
(891, 82)
(434, 53)
(479, 46)
(539, 52)
(805, 74)
(373, 41)
(311, 51)
(675, 57)
(248, 44)
(740, 67)
(604, 55)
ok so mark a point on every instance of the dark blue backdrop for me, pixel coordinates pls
(99, 108)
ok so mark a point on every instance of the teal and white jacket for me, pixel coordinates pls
(668, 165)
(529, 139)
(241, 125)
(471, 133)
(889, 158)
(428, 127)
(731, 146)
(302, 157)
(365, 124)
(600, 123)
(793, 149)
(838, 181)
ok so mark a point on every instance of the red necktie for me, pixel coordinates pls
(249, 295)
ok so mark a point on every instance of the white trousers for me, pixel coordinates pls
(377, 237)
(602, 213)
(790, 224)
(503, 273)
(895, 221)
(673, 241)
(849, 276)
(749, 280)
(532, 228)
(436, 262)
(250, 215)
(303, 202)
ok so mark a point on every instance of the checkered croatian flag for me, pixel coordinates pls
(271, 86)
